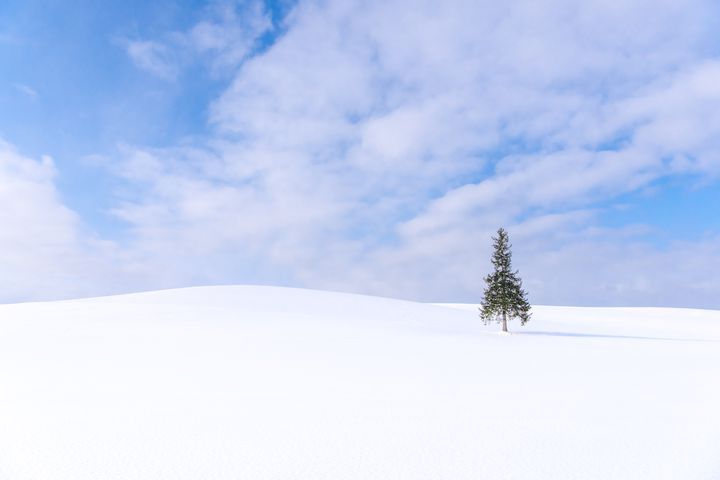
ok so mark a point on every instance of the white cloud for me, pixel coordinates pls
(376, 145)
(45, 252)
(228, 34)
(153, 57)
(358, 151)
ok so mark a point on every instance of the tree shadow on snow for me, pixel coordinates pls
(626, 337)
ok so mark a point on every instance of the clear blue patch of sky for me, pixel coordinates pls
(675, 209)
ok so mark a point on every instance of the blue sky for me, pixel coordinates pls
(70, 90)
(361, 146)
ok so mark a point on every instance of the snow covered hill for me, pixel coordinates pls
(276, 383)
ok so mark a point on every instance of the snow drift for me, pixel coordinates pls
(277, 383)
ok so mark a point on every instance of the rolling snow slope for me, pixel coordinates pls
(277, 383)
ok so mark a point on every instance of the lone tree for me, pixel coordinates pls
(504, 297)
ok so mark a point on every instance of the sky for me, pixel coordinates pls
(367, 146)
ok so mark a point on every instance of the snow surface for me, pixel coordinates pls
(276, 383)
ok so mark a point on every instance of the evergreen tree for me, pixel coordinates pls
(504, 298)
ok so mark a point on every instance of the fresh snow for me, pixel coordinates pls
(277, 383)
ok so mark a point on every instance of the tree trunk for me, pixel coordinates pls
(504, 322)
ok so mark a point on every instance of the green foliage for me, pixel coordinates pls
(504, 298)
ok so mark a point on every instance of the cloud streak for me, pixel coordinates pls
(226, 35)
(153, 57)
(27, 91)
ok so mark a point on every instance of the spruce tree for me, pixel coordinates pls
(504, 298)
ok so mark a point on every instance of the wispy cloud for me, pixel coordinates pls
(153, 57)
(26, 90)
(227, 34)
(230, 31)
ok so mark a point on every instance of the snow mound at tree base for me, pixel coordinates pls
(269, 383)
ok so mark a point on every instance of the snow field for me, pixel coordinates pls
(277, 383)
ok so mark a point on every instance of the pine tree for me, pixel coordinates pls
(504, 298)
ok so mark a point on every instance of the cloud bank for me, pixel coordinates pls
(374, 146)
(45, 251)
